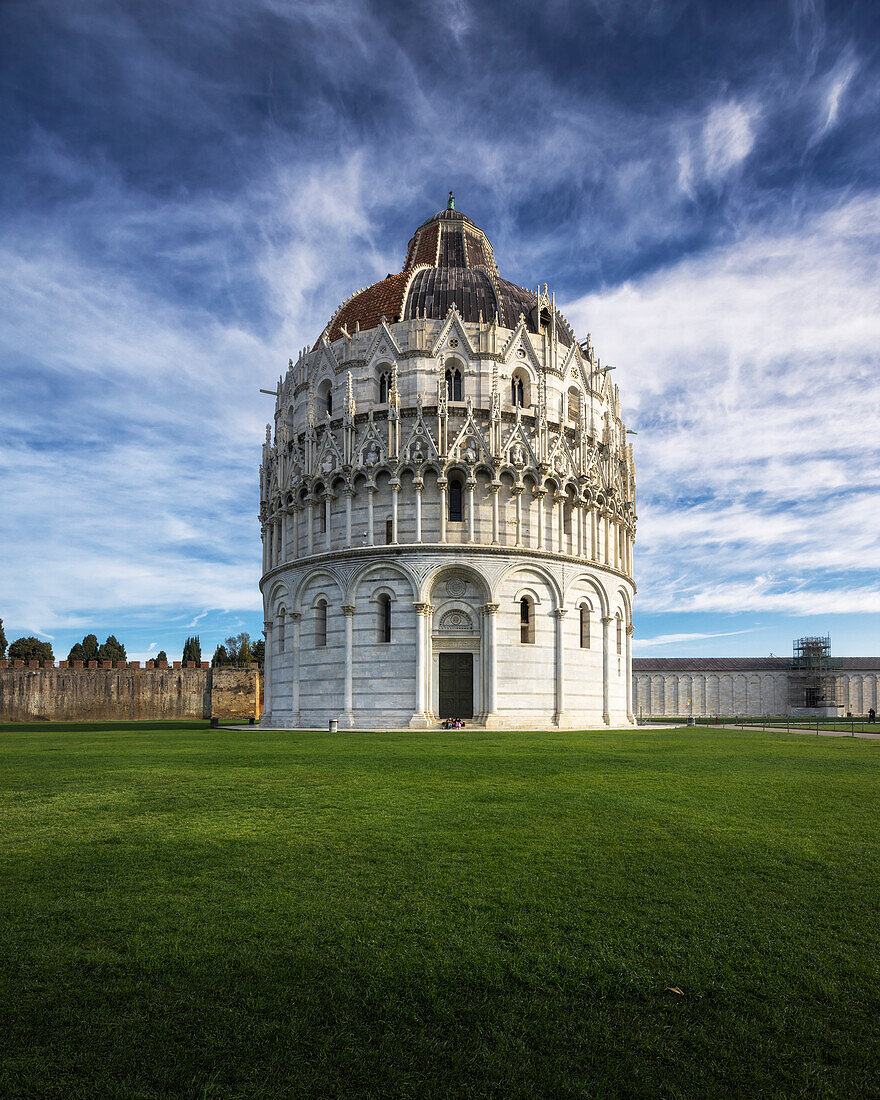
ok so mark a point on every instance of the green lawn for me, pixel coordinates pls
(203, 913)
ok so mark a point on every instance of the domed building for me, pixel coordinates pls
(448, 509)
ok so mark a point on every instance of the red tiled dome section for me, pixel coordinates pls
(383, 299)
(457, 268)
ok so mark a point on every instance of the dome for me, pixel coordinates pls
(449, 261)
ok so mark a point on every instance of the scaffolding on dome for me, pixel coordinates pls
(813, 679)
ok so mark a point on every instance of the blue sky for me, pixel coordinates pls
(189, 190)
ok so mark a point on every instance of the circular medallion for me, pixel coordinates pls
(456, 587)
(453, 343)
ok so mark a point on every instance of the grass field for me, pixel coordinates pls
(202, 913)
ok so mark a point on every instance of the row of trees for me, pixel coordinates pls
(237, 651)
(25, 649)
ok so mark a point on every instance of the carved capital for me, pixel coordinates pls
(490, 608)
(267, 626)
(422, 608)
(295, 616)
(560, 612)
(630, 630)
(348, 609)
(606, 619)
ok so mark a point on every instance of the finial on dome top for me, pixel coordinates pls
(451, 204)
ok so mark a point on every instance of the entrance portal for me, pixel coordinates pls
(456, 685)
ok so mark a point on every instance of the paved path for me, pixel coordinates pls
(797, 729)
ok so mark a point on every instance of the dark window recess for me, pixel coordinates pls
(455, 501)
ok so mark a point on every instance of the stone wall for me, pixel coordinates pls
(124, 693)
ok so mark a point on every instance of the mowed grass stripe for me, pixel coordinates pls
(196, 912)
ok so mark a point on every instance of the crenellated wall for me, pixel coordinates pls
(49, 694)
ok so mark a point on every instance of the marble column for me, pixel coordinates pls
(627, 672)
(418, 485)
(419, 719)
(442, 484)
(395, 489)
(370, 492)
(470, 507)
(560, 613)
(310, 532)
(296, 511)
(559, 500)
(493, 489)
(517, 491)
(349, 493)
(347, 701)
(538, 494)
(607, 620)
(295, 619)
(328, 496)
(490, 618)
(268, 658)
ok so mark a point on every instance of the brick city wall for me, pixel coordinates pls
(31, 692)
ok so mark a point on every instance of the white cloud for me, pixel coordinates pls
(750, 373)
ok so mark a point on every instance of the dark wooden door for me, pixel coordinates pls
(456, 685)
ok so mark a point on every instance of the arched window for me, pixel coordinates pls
(321, 623)
(526, 621)
(389, 532)
(325, 397)
(455, 501)
(384, 386)
(519, 390)
(322, 505)
(619, 633)
(574, 405)
(585, 626)
(280, 633)
(454, 388)
(384, 605)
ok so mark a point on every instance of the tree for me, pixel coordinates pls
(2, 641)
(76, 652)
(221, 657)
(161, 657)
(192, 650)
(112, 650)
(90, 647)
(239, 649)
(259, 652)
(31, 649)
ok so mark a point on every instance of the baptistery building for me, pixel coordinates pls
(448, 508)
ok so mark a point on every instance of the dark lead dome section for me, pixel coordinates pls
(434, 289)
(449, 261)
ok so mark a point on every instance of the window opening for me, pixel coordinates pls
(453, 385)
(619, 634)
(526, 621)
(384, 618)
(517, 392)
(321, 623)
(585, 627)
(281, 631)
(384, 387)
(455, 500)
(389, 532)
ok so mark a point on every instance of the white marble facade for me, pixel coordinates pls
(441, 486)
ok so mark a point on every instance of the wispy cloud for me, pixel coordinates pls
(172, 232)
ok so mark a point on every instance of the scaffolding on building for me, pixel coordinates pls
(814, 675)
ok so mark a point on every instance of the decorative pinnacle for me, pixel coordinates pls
(451, 204)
